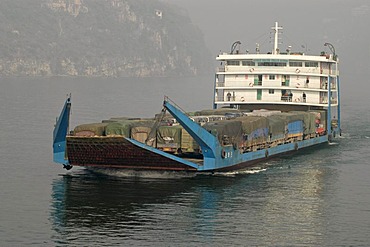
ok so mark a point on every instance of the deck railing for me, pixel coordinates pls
(283, 99)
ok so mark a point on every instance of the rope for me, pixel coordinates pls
(158, 120)
(177, 106)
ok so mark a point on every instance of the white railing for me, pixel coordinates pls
(273, 70)
(283, 100)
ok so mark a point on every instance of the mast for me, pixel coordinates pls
(276, 39)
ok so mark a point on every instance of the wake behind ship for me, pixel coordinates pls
(265, 104)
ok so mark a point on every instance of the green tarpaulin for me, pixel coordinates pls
(227, 131)
(91, 129)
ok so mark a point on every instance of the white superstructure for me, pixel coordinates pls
(277, 80)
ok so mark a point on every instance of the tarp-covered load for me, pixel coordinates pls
(255, 127)
(309, 122)
(140, 133)
(254, 130)
(248, 132)
(263, 113)
(141, 129)
(228, 131)
(293, 124)
(169, 138)
(122, 128)
(119, 119)
(220, 111)
(91, 129)
(276, 128)
(292, 116)
(188, 144)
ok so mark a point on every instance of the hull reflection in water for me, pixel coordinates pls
(226, 210)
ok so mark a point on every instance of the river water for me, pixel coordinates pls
(317, 197)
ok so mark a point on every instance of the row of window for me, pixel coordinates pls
(272, 63)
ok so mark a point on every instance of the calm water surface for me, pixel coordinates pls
(318, 197)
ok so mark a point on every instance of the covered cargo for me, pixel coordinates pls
(122, 128)
(91, 129)
(119, 119)
(188, 144)
(309, 122)
(140, 133)
(228, 132)
(201, 120)
(169, 138)
(292, 116)
(141, 129)
(263, 113)
(219, 111)
(293, 125)
(255, 127)
(276, 128)
(255, 132)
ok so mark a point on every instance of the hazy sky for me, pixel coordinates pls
(311, 21)
(307, 25)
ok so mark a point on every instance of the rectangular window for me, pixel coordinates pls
(295, 64)
(247, 63)
(272, 77)
(271, 91)
(272, 64)
(311, 64)
(233, 63)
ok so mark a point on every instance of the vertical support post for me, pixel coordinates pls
(214, 92)
(328, 121)
(339, 117)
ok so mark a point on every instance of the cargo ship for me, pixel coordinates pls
(264, 105)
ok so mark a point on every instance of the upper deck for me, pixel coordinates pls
(275, 78)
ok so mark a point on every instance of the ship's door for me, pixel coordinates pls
(285, 80)
(259, 94)
(256, 80)
(259, 80)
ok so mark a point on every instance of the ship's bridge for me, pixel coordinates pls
(275, 78)
(283, 79)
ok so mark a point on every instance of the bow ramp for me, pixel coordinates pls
(60, 134)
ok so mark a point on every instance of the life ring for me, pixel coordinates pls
(297, 71)
(242, 99)
(251, 84)
(223, 154)
(251, 69)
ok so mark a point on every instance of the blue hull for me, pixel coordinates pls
(234, 160)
